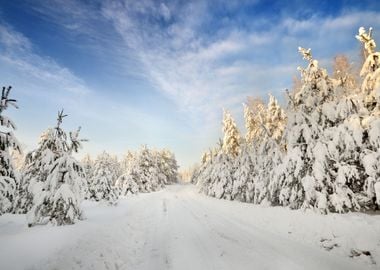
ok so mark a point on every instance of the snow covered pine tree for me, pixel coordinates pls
(101, 185)
(88, 168)
(35, 171)
(63, 191)
(371, 90)
(8, 175)
(216, 179)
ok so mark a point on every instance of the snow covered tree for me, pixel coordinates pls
(62, 194)
(88, 165)
(58, 201)
(147, 170)
(254, 113)
(8, 175)
(149, 179)
(344, 75)
(371, 136)
(296, 176)
(221, 180)
(268, 152)
(128, 182)
(231, 140)
(18, 159)
(215, 177)
(167, 165)
(275, 119)
(127, 161)
(198, 177)
(204, 175)
(249, 124)
(243, 178)
(116, 168)
(101, 185)
(297, 84)
(36, 170)
(88, 169)
(324, 154)
(370, 70)
(324, 136)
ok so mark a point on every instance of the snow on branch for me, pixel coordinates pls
(306, 53)
(366, 39)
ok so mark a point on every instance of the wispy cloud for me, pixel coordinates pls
(180, 62)
(200, 56)
(17, 52)
(200, 70)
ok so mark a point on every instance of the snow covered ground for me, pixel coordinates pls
(177, 228)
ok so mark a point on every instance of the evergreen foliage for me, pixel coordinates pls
(58, 181)
(322, 152)
(8, 175)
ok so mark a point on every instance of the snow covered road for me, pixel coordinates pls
(175, 228)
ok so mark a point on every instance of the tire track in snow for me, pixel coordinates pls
(179, 229)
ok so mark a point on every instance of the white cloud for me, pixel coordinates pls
(165, 12)
(11, 39)
(202, 70)
(203, 73)
(18, 53)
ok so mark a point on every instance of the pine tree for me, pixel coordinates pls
(167, 165)
(59, 199)
(221, 180)
(275, 120)
(268, 153)
(231, 140)
(88, 169)
(102, 188)
(300, 184)
(116, 168)
(250, 126)
(127, 182)
(370, 70)
(254, 116)
(205, 175)
(243, 178)
(127, 161)
(344, 76)
(371, 123)
(36, 170)
(148, 171)
(8, 175)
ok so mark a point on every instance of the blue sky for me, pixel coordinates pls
(160, 72)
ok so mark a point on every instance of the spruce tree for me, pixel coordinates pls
(254, 116)
(149, 178)
(243, 177)
(371, 123)
(250, 126)
(296, 175)
(370, 70)
(167, 165)
(36, 170)
(202, 177)
(88, 168)
(63, 190)
(231, 139)
(103, 178)
(221, 180)
(127, 183)
(8, 175)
